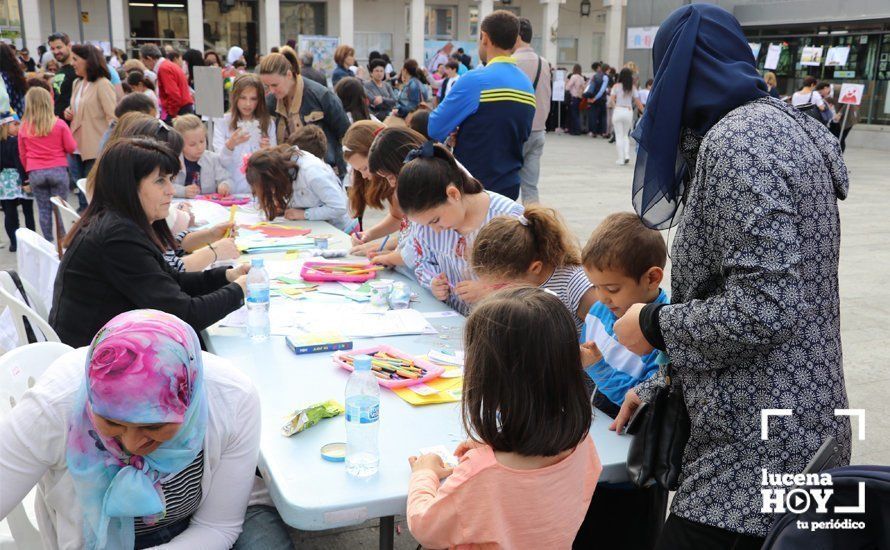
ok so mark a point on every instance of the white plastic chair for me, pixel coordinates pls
(37, 263)
(19, 371)
(9, 297)
(82, 185)
(66, 213)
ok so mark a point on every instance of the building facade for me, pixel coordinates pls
(566, 31)
(863, 26)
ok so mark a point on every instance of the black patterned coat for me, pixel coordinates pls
(754, 321)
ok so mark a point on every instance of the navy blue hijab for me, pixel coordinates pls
(704, 68)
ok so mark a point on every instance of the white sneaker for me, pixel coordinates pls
(619, 162)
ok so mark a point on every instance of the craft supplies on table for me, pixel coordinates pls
(306, 417)
(316, 342)
(227, 200)
(338, 271)
(444, 389)
(399, 322)
(392, 367)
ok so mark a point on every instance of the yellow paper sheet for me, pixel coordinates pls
(450, 391)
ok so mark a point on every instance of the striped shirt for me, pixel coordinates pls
(182, 495)
(174, 257)
(620, 369)
(569, 283)
(446, 251)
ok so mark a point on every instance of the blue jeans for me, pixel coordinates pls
(263, 528)
(77, 169)
(163, 535)
(596, 118)
(574, 116)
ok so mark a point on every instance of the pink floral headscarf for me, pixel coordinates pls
(143, 367)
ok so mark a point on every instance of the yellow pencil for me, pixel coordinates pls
(232, 210)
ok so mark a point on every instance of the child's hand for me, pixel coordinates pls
(432, 462)
(388, 259)
(362, 249)
(440, 287)
(295, 214)
(590, 354)
(358, 238)
(471, 291)
(237, 138)
(223, 189)
(191, 191)
(467, 445)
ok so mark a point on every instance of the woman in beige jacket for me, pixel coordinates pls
(92, 105)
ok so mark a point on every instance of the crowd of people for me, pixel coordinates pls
(156, 443)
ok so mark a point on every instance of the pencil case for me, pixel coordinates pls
(308, 273)
(228, 200)
(433, 371)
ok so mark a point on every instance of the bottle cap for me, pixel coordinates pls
(256, 262)
(334, 452)
(362, 363)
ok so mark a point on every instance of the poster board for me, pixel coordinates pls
(772, 57)
(322, 50)
(811, 56)
(640, 38)
(851, 94)
(558, 93)
(837, 56)
(209, 92)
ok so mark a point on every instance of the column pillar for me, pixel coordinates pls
(347, 25)
(270, 30)
(614, 50)
(485, 9)
(550, 30)
(196, 24)
(417, 31)
(116, 24)
(30, 14)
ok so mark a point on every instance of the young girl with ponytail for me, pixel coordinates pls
(449, 207)
(536, 249)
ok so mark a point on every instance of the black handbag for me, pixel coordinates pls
(660, 431)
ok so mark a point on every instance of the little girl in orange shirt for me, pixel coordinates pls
(528, 471)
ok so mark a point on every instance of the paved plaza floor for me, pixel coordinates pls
(580, 179)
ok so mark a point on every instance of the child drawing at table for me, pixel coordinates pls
(449, 207)
(380, 166)
(298, 185)
(529, 469)
(245, 129)
(536, 249)
(203, 172)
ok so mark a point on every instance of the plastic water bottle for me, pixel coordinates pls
(362, 420)
(257, 301)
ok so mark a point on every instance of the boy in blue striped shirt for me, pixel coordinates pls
(624, 260)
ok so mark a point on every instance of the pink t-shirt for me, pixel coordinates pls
(49, 151)
(484, 504)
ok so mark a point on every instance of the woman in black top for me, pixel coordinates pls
(114, 260)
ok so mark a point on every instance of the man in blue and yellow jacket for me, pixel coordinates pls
(492, 109)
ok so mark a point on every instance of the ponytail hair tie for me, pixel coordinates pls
(522, 221)
(425, 151)
(378, 130)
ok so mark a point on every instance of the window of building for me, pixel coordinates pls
(162, 23)
(11, 23)
(567, 50)
(230, 23)
(474, 22)
(308, 18)
(367, 42)
(439, 22)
